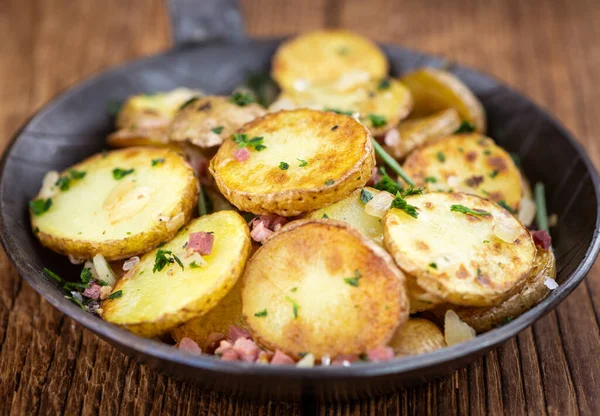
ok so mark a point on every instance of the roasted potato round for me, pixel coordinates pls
(468, 163)
(352, 211)
(379, 104)
(144, 119)
(461, 248)
(206, 121)
(297, 161)
(434, 90)
(413, 133)
(417, 336)
(171, 285)
(117, 204)
(327, 57)
(320, 286)
(420, 300)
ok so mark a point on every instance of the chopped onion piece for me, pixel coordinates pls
(526, 211)
(392, 138)
(307, 361)
(326, 360)
(130, 264)
(455, 330)
(75, 260)
(550, 283)
(49, 188)
(103, 270)
(506, 231)
(379, 205)
(176, 222)
(130, 204)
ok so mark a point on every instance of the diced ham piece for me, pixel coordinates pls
(189, 345)
(201, 242)
(226, 351)
(241, 155)
(344, 360)
(263, 226)
(246, 349)
(260, 233)
(380, 354)
(93, 292)
(280, 358)
(213, 341)
(542, 238)
(235, 332)
(230, 355)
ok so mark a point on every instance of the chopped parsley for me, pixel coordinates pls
(465, 127)
(334, 128)
(343, 50)
(465, 210)
(77, 174)
(294, 289)
(365, 196)
(507, 207)
(487, 152)
(412, 191)
(494, 173)
(158, 161)
(163, 258)
(37, 230)
(86, 275)
(39, 206)
(353, 281)
(400, 203)
(193, 265)
(486, 241)
(337, 111)
(507, 319)
(325, 216)
(386, 183)
(283, 166)
(63, 183)
(430, 179)
(119, 173)
(53, 275)
(295, 306)
(242, 98)
(329, 182)
(116, 295)
(302, 163)
(261, 314)
(188, 102)
(377, 120)
(384, 84)
(441, 157)
(217, 130)
(242, 140)
(433, 265)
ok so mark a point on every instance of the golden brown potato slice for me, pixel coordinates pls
(117, 204)
(352, 210)
(420, 300)
(207, 121)
(144, 119)
(434, 90)
(327, 57)
(320, 286)
(378, 104)
(297, 161)
(461, 248)
(171, 285)
(468, 163)
(413, 133)
(226, 313)
(485, 319)
(417, 336)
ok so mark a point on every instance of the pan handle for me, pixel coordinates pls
(196, 21)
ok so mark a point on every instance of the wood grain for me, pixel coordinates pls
(549, 50)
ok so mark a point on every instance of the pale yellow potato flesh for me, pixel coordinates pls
(420, 300)
(417, 336)
(119, 218)
(155, 302)
(457, 256)
(320, 286)
(335, 151)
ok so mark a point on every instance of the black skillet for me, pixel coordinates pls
(212, 54)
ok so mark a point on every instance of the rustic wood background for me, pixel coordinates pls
(549, 50)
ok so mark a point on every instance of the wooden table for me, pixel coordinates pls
(549, 50)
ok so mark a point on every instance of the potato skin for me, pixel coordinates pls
(417, 336)
(148, 309)
(474, 162)
(339, 160)
(83, 245)
(305, 263)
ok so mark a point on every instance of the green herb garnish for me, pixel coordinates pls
(119, 173)
(433, 265)
(391, 162)
(400, 203)
(77, 174)
(540, 202)
(295, 306)
(63, 183)
(386, 183)
(242, 98)
(188, 102)
(325, 216)
(384, 84)
(465, 210)
(353, 281)
(53, 275)
(365, 196)
(493, 173)
(377, 120)
(411, 191)
(86, 275)
(507, 207)
(465, 127)
(158, 161)
(329, 182)
(335, 110)
(441, 157)
(163, 258)
(217, 130)
(242, 141)
(116, 295)
(302, 163)
(294, 289)
(193, 265)
(39, 206)
(113, 107)
(261, 314)
(430, 179)
(283, 166)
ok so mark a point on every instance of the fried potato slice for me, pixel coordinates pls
(155, 300)
(320, 286)
(206, 121)
(417, 336)
(413, 133)
(378, 104)
(458, 256)
(469, 163)
(143, 120)
(485, 319)
(352, 211)
(434, 90)
(226, 313)
(420, 300)
(127, 202)
(338, 58)
(307, 159)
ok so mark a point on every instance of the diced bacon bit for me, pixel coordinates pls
(260, 233)
(344, 360)
(93, 292)
(241, 155)
(263, 226)
(230, 355)
(201, 242)
(235, 332)
(542, 238)
(280, 358)
(213, 341)
(375, 177)
(189, 345)
(380, 354)
(226, 352)
(246, 349)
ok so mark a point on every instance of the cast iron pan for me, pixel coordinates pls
(74, 125)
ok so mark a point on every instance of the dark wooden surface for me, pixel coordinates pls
(550, 50)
